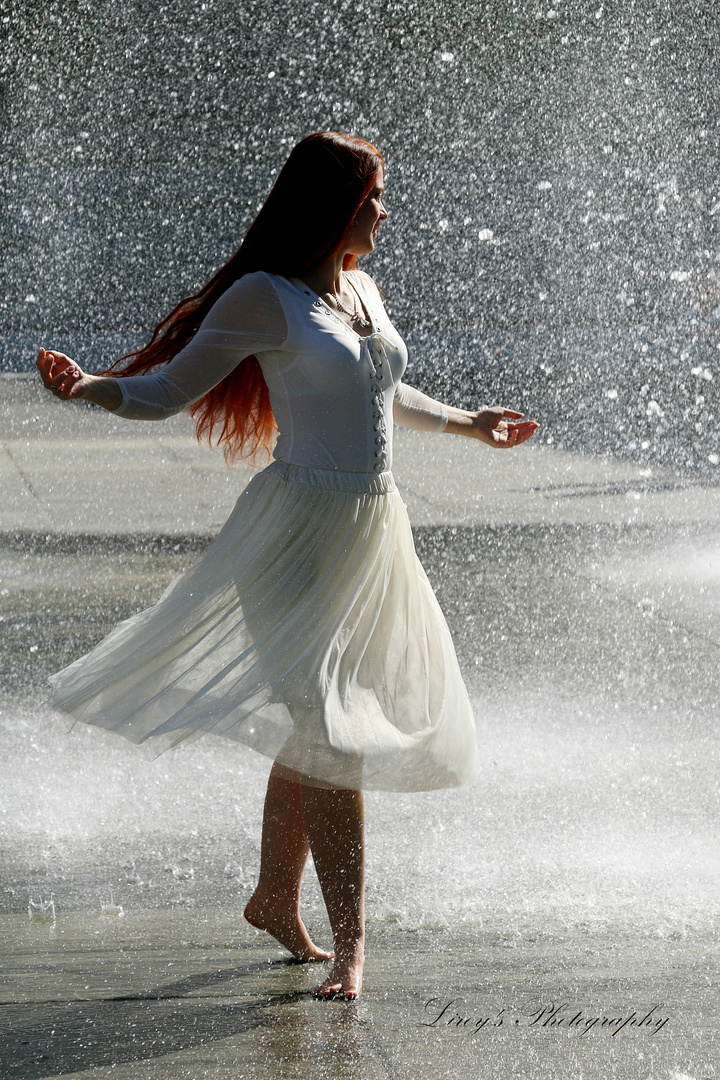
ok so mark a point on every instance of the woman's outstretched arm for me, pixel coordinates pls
(416, 410)
(247, 319)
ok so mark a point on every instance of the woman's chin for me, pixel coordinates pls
(362, 248)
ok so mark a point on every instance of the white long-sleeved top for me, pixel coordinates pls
(331, 390)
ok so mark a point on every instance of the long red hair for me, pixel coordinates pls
(301, 225)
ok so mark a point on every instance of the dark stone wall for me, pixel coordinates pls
(552, 174)
(139, 139)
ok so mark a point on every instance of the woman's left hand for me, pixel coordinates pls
(498, 427)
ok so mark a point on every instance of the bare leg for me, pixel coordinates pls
(335, 821)
(275, 904)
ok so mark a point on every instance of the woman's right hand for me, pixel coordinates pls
(67, 381)
(61, 375)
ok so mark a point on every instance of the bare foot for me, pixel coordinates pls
(286, 926)
(345, 979)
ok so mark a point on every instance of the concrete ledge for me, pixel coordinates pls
(72, 468)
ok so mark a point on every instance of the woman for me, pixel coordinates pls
(308, 630)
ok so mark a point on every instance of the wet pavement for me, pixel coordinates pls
(173, 995)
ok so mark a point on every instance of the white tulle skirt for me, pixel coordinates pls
(308, 631)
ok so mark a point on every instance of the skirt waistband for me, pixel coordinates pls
(334, 480)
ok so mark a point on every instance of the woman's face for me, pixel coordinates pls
(361, 234)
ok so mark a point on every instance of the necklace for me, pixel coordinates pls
(355, 315)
